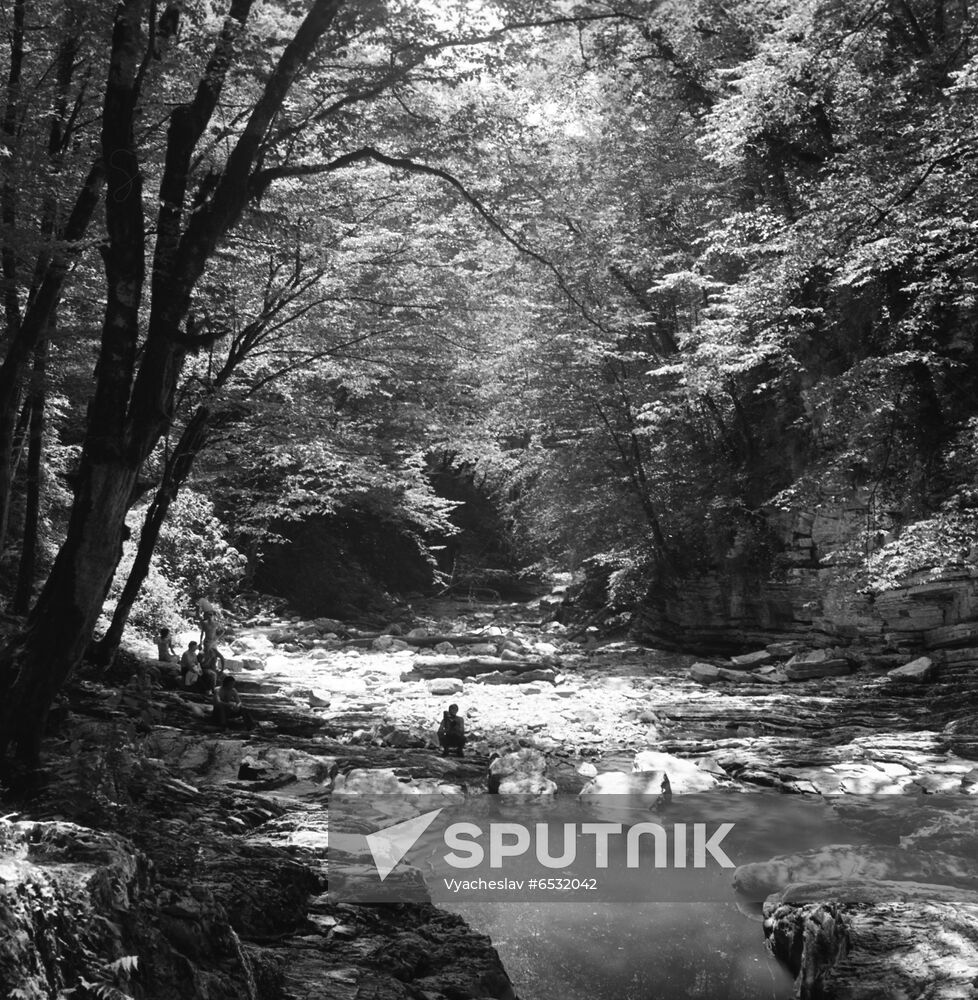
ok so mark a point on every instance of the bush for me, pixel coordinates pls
(193, 559)
(194, 553)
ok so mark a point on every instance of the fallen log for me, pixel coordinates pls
(363, 640)
(428, 667)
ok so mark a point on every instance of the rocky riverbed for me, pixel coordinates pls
(210, 876)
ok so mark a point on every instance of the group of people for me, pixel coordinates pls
(202, 670)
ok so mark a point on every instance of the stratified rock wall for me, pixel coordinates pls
(807, 592)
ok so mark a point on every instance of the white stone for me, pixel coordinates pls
(445, 685)
(684, 775)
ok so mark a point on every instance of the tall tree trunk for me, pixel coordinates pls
(57, 247)
(133, 404)
(175, 473)
(36, 664)
(35, 449)
(8, 253)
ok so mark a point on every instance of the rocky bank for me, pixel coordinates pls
(164, 858)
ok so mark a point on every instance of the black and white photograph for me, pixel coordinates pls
(488, 500)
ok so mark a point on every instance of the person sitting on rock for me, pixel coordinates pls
(213, 661)
(451, 732)
(164, 647)
(227, 705)
(193, 676)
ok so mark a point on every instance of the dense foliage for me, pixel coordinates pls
(768, 211)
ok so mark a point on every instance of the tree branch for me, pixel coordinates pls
(263, 178)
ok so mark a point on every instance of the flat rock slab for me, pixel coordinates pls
(962, 634)
(805, 671)
(761, 879)
(748, 661)
(920, 670)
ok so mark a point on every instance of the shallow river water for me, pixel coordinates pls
(631, 951)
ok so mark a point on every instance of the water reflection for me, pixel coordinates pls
(630, 951)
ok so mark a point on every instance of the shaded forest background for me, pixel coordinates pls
(283, 283)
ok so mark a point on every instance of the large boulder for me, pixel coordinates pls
(644, 783)
(860, 939)
(520, 773)
(684, 775)
(283, 763)
(211, 760)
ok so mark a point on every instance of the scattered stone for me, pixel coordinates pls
(784, 650)
(393, 737)
(816, 663)
(750, 677)
(318, 698)
(705, 673)
(748, 661)
(920, 670)
(547, 676)
(545, 649)
(446, 685)
(498, 677)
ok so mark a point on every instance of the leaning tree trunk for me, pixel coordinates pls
(32, 513)
(36, 664)
(175, 474)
